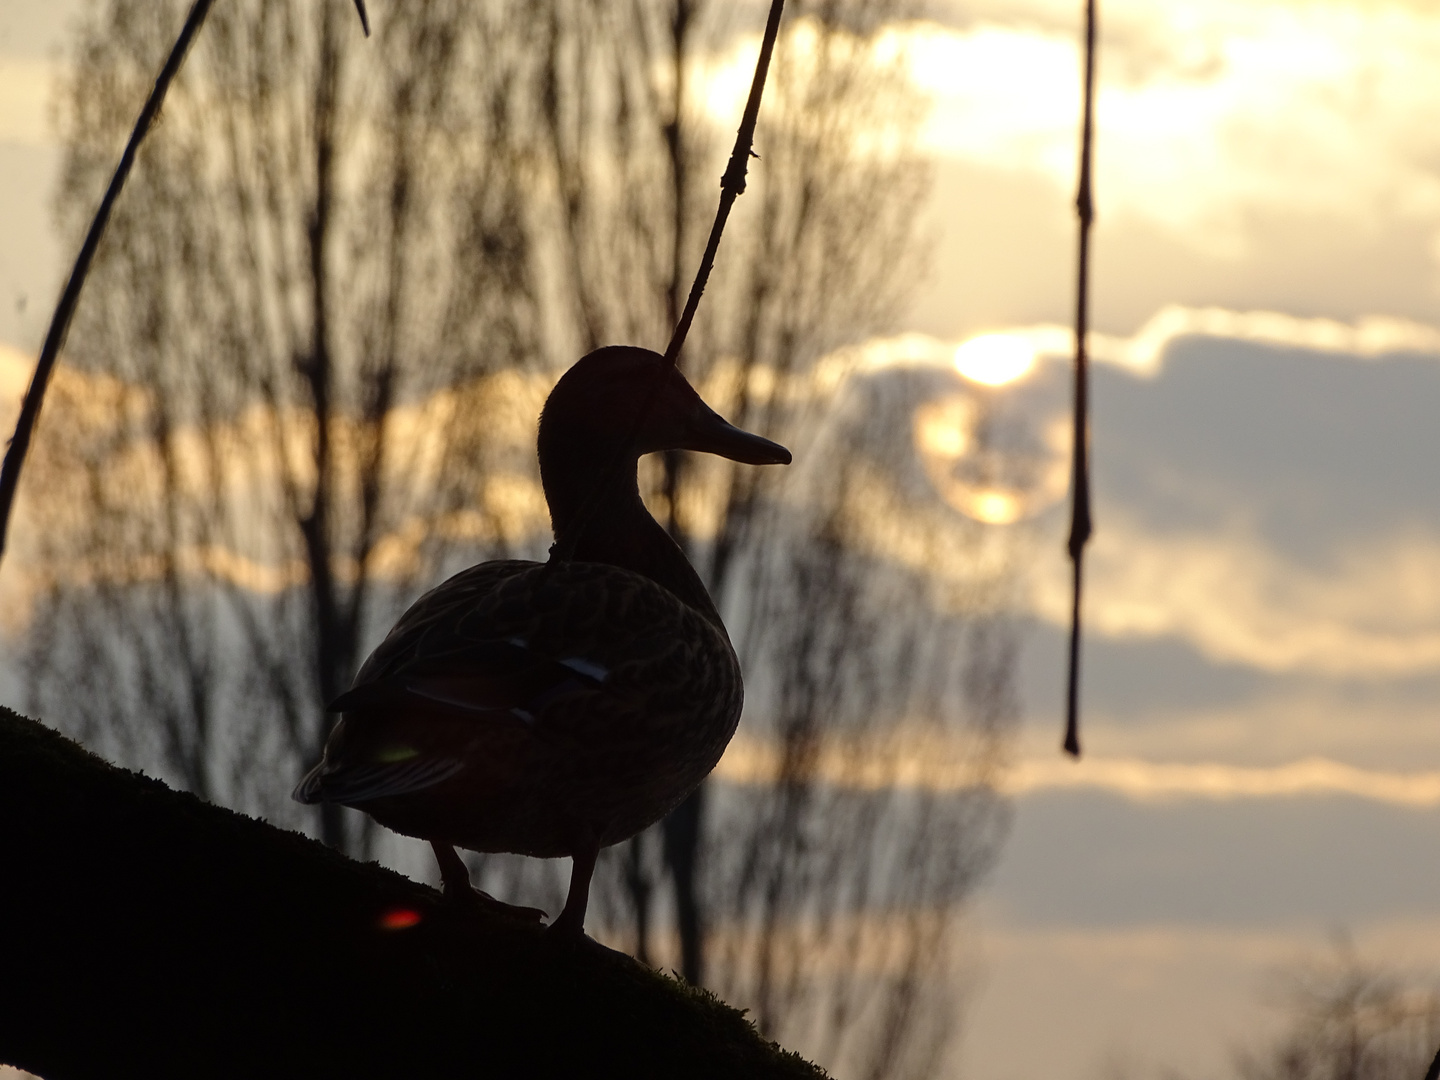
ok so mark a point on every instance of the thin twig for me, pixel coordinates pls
(732, 186)
(1080, 522)
(364, 18)
(60, 321)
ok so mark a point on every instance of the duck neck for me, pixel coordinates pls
(606, 521)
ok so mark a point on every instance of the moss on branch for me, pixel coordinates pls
(145, 933)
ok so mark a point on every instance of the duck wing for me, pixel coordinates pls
(413, 727)
(506, 645)
(496, 679)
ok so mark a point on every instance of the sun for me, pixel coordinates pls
(994, 359)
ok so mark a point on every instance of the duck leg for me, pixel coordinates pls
(571, 922)
(455, 879)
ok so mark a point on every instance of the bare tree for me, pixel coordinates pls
(321, 325)
(838, 883)
(309, 291)
(1349, 1019)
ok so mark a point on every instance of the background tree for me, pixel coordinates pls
(1349, 1019)
(307, 296)
(308, 365)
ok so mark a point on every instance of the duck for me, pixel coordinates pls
(554, 709)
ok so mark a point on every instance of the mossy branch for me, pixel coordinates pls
(146, 933)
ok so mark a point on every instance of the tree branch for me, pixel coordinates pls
(732, 184)
(1081, 525)
(65, 310)
(149, 934)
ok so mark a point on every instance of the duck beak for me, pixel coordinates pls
(711, 433)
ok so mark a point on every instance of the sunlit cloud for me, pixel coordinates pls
(1368, 338)
(1385, 728)
(1374, 612)
(934, 763)
(994, 359)
(1143, 353)
(1150, 781)
(900, 759)
(1204, 112)
(992, 484)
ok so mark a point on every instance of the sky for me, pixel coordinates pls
(1262, 663)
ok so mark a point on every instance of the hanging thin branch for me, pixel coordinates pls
(70, 298)
(732, 186)
(1080, 523)
(60, 321)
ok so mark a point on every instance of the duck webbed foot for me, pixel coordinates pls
(455, 879)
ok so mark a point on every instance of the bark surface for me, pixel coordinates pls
(146, 933)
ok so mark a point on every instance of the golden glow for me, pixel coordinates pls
(1150, 780)
(991, 486)
(939, 764)
(1211, 111)
(898, 759)
(996, 507)
(942, 428)
(995, 359)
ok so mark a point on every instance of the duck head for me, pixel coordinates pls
(622, 402)
(613, 406)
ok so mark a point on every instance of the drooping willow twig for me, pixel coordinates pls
(1081, 525)
(732, 186)
(70, 298)
(60, 321)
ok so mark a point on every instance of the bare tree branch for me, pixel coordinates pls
(60, 321)
(150, 934)
(1081, 525)
(732, 184)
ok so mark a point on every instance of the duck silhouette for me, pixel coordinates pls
(553, 709)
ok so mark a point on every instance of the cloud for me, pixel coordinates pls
(1370, 609)
(912, 759)
(1373, 612)
(1143, 352)
(24, 100)
(1205, 112)
(1389, 729)
(1149, 781)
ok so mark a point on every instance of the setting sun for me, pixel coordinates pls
(995, 359)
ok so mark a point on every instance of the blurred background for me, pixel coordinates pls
(302, 386)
